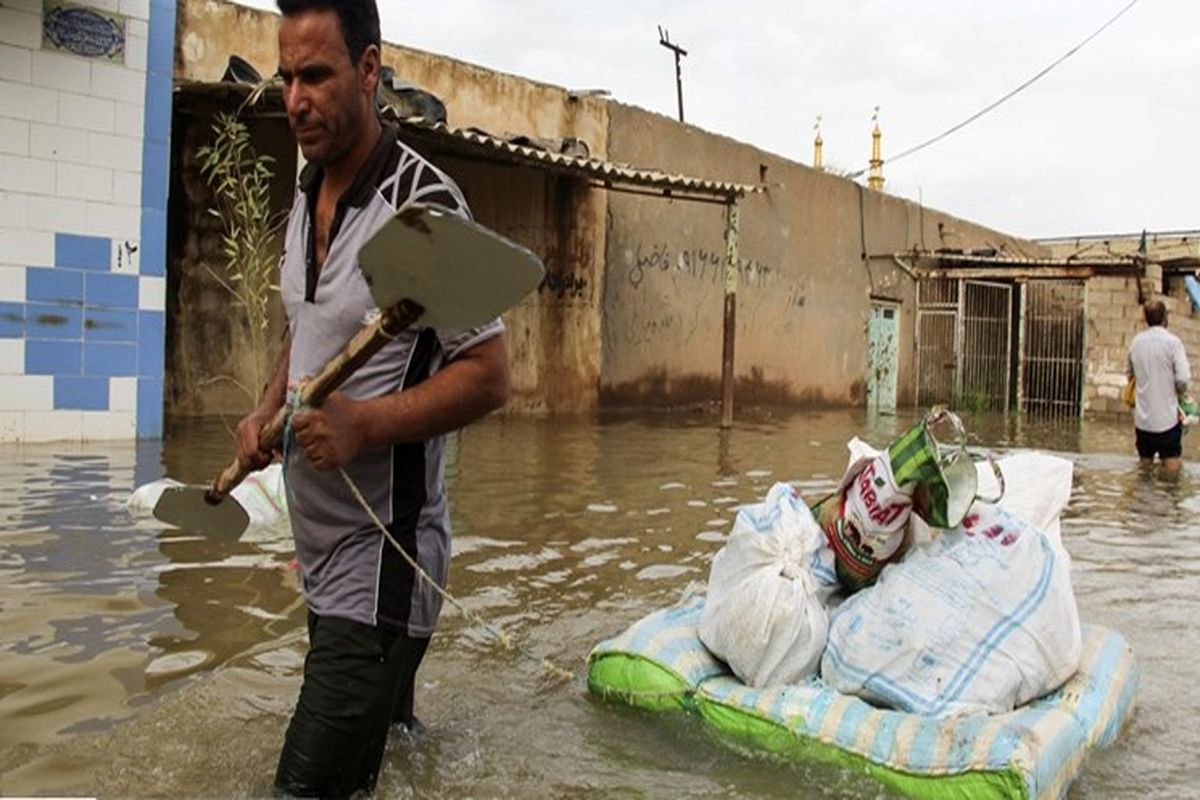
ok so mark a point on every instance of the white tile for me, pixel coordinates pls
(28, 175)
(127, 187)
(14, 209)
(101, 425)
(130, 120)
(136, 8)
(22, 28)
(58, 143)
(56, 70)
(104, 5)
(122, 394)
(34, 103)
(84, 182)
(118, 83)
(89, 113)
(16, 63)
(12, 426)
(12, 284)
(27, 392)
(136, 48)
(53, 426)
(12, 357)
(114, 152)
(115, 221)
(26, 248)
(139, 27)
(125, 259)
(56, 214)
(152, 293)
(14, 136)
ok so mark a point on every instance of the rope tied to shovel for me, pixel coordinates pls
(499, 636)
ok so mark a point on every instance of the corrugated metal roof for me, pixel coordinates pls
(600, 172)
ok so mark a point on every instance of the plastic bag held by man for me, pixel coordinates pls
(981, 619)
(764, 614)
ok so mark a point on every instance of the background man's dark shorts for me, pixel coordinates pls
(1166, 444)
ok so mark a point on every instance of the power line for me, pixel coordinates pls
(1008, 96)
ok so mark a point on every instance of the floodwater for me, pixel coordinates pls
(138, 661)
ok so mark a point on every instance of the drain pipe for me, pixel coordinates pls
(731, 285)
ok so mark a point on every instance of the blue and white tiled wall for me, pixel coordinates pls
(84, 160)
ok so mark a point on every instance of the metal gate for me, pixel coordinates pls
(964, 343)
(1052, 347)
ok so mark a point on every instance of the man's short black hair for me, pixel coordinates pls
(1156, 312)
(359, 20)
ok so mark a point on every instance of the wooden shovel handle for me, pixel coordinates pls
(369, 340)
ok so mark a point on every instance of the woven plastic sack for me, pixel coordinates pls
(764, 614)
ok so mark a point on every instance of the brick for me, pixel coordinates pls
(109, 425)
(136, 48)
(89, 113)
(152, 293)
(122, 394)
(12, 284)
(25, 247)
(139, 9)
(58, 143)
(129, 120)
(12, 358)
(14, 209)
(28, 175)
(61, 71)
(14, 137)
(21, 28)
(27, 393)
(114, 221)
(84, 182)
(104, 5)
(16, 64)
(124, 258)
(12, 426)
(32, 103)
(53, 426)
(118, 83)
(114, 152)
(127, 187)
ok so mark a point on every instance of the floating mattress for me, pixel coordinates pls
(1035, 751)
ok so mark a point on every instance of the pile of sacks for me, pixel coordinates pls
(927, 583)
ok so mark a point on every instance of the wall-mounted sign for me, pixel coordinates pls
(83, 31)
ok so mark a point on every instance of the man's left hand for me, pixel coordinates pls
(329, 435)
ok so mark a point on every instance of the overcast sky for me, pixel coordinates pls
(1104, 143)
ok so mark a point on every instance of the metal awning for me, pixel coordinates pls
(943, 264)
(475, 143)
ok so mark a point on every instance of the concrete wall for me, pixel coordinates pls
(805, 288)
(83, 174)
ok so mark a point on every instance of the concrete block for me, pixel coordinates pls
(28, 175)
(12, 426)
(16, 64)
(1108, 391)
(14, 209)
(56, 214)
(26, 247)
(127, 187)
(114, 152)
(12, 357)
(152, 293)
(62, 71)
(135, 52)
(14, 136)
(12, 285)
(32, 103)
(122, 394)
(27, 393)
(20, 28)
(88, 113)
(109, 425)
(118, 83)
(84, 182)
(104, 5)
(130, 120)
(58, 143)
(53, 426)
(140, 9)
(115, 221)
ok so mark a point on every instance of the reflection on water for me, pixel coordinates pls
(139, 661)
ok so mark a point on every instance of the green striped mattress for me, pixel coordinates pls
(1034, 752)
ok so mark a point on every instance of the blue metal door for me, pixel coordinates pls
(883, 356)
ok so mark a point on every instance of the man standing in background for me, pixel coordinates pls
(1159, 365)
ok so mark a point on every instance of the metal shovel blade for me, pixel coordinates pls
(185, 507)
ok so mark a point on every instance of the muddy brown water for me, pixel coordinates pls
(137, 661)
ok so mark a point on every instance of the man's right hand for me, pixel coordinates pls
(250, 452)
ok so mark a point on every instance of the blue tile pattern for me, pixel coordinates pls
(110, 359)
(58, 285)
(82, 252)
(114, 291)
(82, 394)
(49, 357)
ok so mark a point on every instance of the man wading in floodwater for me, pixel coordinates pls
(1159, 365)
(370, 618)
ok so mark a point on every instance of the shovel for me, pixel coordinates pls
(425, 265)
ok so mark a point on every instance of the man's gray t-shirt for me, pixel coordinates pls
(1159, 364)
(348, 568)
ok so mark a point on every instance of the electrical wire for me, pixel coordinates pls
(1006, 97)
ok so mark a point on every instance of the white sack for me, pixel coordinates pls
(261, 493)
(764, 613)
(982, 619)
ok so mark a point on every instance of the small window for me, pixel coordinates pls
(888, 313)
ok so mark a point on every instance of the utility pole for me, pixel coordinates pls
(664, 39)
